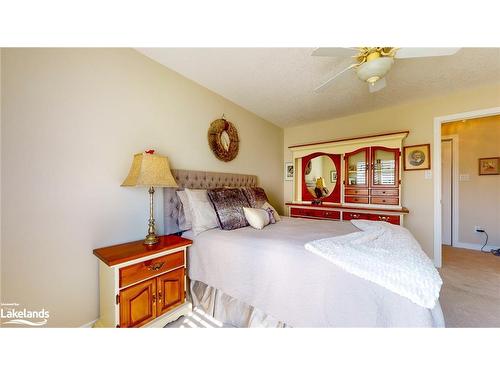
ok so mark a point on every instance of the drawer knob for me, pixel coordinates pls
(156, 266)
(355, 216)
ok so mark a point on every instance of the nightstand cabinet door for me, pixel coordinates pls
(138, 304)
(170, 290)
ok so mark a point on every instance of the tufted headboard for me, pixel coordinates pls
(197, 180)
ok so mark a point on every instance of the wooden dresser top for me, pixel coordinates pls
(113, 255)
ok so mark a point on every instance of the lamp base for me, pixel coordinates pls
(151, 239)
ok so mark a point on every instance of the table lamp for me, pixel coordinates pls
(150, 170)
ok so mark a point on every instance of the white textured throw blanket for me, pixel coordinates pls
(385, 254)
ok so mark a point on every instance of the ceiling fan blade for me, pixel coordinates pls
(377, 86)
(328, 82)
(411, 53)
(335, 52)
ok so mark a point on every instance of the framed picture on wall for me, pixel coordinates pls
(288, 171)
(333, 176)
(416, 158)
(489, 166)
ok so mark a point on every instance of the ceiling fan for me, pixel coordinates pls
(373, 63)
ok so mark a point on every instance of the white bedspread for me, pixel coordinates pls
(386, 254)
(270, 269)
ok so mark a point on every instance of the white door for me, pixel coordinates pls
(446, 189)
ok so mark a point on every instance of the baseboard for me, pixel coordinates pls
(473, 246)
(89, 324)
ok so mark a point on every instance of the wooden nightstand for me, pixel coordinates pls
(141, 285)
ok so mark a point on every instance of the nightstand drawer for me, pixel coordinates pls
(149, 268)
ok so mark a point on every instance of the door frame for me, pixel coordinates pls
(454, 186)
(436, 166)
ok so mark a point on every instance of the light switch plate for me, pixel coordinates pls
(428, 175)
(464, 177)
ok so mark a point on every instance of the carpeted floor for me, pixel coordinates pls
(470, 296)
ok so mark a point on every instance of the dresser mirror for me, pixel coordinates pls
(320, 176)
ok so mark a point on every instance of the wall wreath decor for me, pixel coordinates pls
(223, 139)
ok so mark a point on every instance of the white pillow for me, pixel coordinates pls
(275, 213)
(256, 217)
(203, 216)
(185, 220)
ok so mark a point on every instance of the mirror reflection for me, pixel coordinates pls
(320, 176)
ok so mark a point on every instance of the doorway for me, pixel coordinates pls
(436, 166)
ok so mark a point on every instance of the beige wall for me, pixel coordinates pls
(71, 121)
(417, 117)
(479, 197)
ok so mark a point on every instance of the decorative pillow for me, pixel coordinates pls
(267, 206)
(203, 215)
(185, 220)
(256, 217)
(256, 196)
(270, 213)
(229, 205)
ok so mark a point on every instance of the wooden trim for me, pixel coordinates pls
(349, 139)
(117, 254)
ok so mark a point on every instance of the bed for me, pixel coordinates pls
(247, 277)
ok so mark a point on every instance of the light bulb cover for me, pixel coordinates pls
(372, 71)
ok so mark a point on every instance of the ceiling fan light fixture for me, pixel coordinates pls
(373, 70)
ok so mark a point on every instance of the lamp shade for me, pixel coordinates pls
(150, 170)
(320, 183)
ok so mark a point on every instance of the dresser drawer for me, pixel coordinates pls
(393, 219)
(332, 215)
(384, 200)
(312, 213)
(355, 216)
(356, 199)
(297, 211)
(356, 191)
(385, 192)
(149, 268)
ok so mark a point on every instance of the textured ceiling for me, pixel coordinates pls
(277, 83)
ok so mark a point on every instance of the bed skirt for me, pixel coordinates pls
(228, 310)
